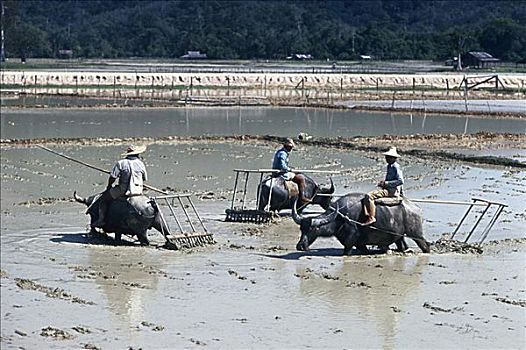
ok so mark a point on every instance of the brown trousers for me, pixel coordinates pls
(369, 207)
(300, 180)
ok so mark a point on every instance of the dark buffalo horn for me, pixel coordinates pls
(295, 216)
(331, 190)
(328, 218)
(78, 198)
(328, 189)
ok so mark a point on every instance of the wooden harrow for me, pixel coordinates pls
(188, 235)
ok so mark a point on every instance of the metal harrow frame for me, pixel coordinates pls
(188, 235)
(499, 207)
(243, 214)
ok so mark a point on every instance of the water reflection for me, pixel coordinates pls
(36, 123)
(129, 279)
(381, 290)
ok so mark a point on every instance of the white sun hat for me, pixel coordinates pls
(392, 152)
(134, 150)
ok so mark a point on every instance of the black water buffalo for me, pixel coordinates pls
(131, 216)
(280, 198)
(392, 223)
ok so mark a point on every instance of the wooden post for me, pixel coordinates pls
(466, 93)
(151, 95)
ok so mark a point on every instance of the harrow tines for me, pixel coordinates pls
(189, 240)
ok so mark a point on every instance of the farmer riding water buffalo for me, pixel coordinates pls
(127, 215)
(122, 208)
(343, 218)
(393, 219)
(284, 193)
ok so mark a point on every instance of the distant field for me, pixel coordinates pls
(244, 66)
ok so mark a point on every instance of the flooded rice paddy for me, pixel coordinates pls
(63, 289)
(130, 122)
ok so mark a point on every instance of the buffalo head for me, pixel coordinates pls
(311, 228)
(87, 201)
(325, 190)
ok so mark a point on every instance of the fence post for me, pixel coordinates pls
(466, 93)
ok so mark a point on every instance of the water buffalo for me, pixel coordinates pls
(280, 198)
(392, 223)
(132, 216)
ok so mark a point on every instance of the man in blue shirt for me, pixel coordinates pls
(390, 187)
(281, 163)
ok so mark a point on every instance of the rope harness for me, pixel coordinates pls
(349, 220)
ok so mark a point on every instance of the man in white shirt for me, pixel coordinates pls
(131, 173)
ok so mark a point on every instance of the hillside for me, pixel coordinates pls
(261, 29)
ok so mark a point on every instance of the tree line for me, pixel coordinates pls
(265, 29)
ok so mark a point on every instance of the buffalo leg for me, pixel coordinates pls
(401, 245)
(422, 244)
(118, 238)
(143, 238)
(362, 248)
(348, 241)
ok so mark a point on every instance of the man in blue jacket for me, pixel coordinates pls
(390, 187)
(281, 163)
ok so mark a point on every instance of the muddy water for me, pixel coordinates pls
(251, 289)
(40, 123)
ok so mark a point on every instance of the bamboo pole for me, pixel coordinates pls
(94, 167)
(298, 171)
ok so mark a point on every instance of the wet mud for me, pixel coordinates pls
(63, 288)
(430, 146)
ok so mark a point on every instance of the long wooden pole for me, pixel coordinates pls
(301, 171)
(433, 201)
(93, 166)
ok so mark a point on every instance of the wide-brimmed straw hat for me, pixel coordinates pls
(392, 153)
(134, 150)
(289, 143)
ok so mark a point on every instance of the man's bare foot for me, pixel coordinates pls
(370, 220)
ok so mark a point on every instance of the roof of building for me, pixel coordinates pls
(483, 56)
(194, 54)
